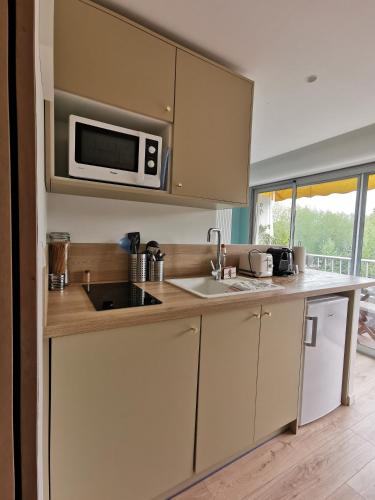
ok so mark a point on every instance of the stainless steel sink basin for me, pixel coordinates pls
(208, 287)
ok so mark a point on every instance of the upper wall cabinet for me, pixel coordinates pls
(211, 144)
(101, 56)
(203, 110)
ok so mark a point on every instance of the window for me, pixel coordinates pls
(367, 266)
(324, 224)
(333, 216)
(366, 329)
(273, 211)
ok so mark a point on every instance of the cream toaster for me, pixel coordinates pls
(255, 263)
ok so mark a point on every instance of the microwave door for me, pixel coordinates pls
(104, 153)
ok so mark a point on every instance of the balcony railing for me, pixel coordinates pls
(342, 265)
(339, 265)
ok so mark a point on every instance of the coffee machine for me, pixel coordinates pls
(282, 261)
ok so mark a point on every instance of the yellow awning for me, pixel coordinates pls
(323, 189)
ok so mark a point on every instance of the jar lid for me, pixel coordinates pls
(59, 236)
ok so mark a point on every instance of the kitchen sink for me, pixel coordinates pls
(209, 288)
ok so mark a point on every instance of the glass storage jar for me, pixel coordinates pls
(59, 254)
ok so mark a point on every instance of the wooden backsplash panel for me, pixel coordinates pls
(108, 262)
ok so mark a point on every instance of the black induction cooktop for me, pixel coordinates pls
(106, 296)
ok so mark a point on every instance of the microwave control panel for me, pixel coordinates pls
(151, 157)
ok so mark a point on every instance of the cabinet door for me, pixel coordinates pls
(100, 56)
(123, 406)
(212, 131)
(280, 352)
(227, 385)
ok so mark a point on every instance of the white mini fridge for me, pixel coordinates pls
(325, 333)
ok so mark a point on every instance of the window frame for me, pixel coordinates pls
(361, 172)
(265, 188)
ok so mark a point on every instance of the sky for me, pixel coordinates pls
(337, 202)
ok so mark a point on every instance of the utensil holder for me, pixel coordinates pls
(56, 281)
(137, 267)
(156, 270)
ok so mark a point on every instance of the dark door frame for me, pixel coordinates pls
(18, 192)
(6, 291)
(27, 247)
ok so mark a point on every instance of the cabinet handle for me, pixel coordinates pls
(267, 314)
(255, 315)
(179, 184)
(168, 109)
(194, 330)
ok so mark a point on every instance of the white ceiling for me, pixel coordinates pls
(278, 43)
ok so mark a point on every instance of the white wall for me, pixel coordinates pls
(41, 241)
(354, 148)
(45, 49)
(97, 220)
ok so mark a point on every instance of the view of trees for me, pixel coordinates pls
(321, 232)
(325, 233)
(281, 227)
(368, 249)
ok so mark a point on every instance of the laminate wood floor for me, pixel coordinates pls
(331, 458)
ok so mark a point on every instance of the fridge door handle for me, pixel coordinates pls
(314, 319)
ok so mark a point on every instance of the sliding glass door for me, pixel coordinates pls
(366, 328)
(324, 224)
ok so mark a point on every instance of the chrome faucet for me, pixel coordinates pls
(216, 268)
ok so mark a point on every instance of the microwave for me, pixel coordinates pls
(103, 152)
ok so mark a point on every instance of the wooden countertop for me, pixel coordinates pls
(71, 312)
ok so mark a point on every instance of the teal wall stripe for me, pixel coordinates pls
(240, 225)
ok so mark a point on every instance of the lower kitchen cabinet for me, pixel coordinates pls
(123, 406)
(280, 351)
(227, 385)
(125, 421)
